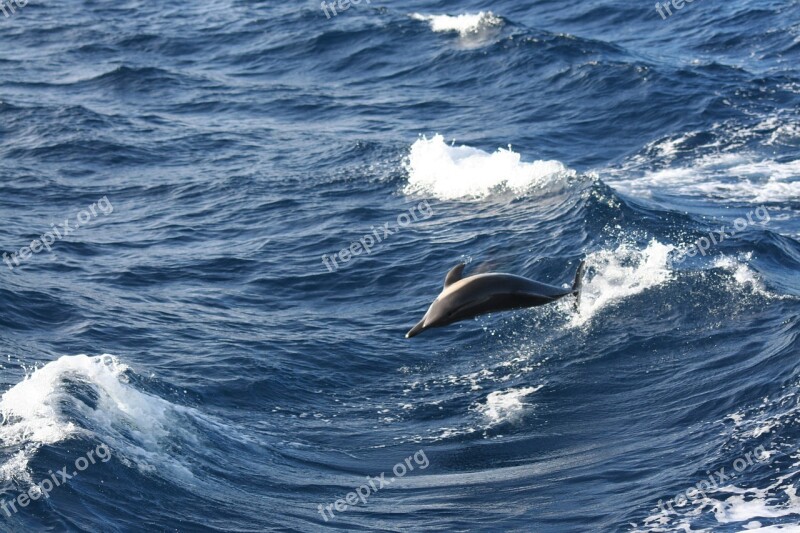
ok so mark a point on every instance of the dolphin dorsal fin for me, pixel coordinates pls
(454, 274)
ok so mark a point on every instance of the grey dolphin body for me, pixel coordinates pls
(469, 297)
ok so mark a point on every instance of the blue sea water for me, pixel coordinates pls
(193, 167)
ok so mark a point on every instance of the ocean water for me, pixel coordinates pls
(185, 346)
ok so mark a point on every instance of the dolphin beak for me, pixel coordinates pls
(416, 330)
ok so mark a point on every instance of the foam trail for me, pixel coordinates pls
(463, 172)
(725, 176)
(618, 274)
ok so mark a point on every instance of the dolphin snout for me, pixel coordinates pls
(416, 330)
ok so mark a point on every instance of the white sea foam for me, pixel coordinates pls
(743, 275)
(724, 176)
(782, 130)
(620, 273)
(742, 506)
(502, 406)
(463, 172)
(773, 491)
(755, 527)
(752, 503)
(616, 274)
(50, 405)
(465, 24)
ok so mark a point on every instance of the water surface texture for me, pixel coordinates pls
(184, 337)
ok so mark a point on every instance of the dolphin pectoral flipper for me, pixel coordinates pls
(416, 329)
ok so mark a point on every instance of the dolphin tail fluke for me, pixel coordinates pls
(577, 284)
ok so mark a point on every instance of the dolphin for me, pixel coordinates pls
(468, 297)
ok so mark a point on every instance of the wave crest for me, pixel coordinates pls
(465, 24)
(90, 397)
(462, 172)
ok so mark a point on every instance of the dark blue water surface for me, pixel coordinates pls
(181, 169)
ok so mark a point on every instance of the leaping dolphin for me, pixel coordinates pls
(469, 297)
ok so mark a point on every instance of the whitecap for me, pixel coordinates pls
(465, 24)
(462, 172)
(91, 397)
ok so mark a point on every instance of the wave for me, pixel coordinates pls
(462, 172)
(92, 398)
